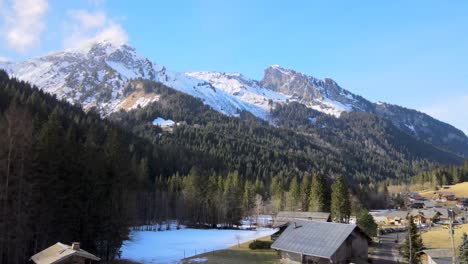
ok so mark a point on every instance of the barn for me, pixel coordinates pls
(322, 242)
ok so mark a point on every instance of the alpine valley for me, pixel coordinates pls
(99, 140)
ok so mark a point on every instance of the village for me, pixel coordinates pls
(439, 218)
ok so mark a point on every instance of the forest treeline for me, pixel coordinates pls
(68, 175)
(209, 200)
(364, 148)
(445, 175)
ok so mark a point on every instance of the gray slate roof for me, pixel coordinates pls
(427, 213)
(440, 256)
(438, 253)
(284, 217)
(312, 238)
(396, 214)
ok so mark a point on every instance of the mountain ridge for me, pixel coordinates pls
(98, 76)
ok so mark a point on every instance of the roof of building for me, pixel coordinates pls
(440, 256)
(284, 217)
(438, 253)
(59, 252)
(312, 238)
(443, 211)
(396, 214)
(429, 204)
(427, 213)
(447, 194)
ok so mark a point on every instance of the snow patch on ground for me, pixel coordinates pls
(172, 246)
(331, 107)
(163, 122)
(411, 127)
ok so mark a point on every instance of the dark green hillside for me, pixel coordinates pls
(363, 147)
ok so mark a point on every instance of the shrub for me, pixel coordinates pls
(258, 244)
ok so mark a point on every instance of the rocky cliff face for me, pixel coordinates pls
(100, 76)
(94, 76)
(323, 95)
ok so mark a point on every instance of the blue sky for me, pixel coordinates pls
(411, 53)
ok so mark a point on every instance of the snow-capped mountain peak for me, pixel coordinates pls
(101, 75)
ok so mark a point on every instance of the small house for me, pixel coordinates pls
(322, 242)
(425, 216)
(444, 196)
(447, 214)
(396, 218)
(64, 254)
(462, 203)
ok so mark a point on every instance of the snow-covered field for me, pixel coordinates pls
(170, 246)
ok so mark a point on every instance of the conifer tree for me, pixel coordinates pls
(277, 194)
(294, 195)
(248, 198)
(318, 200)
(305, 192)
(340, 203)
(412, 245)
(366, 222)
(463, 250)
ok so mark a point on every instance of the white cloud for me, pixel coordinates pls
(85, 27)
(24, 23)
(453, 111)
(4, 59)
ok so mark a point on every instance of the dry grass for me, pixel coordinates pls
(132, 98)
(460, 190)
(440, 238)
(238, 254)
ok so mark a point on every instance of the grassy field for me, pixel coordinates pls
(460, 190)
(237, 254)
(440, 238)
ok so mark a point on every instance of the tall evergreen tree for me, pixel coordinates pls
(463, 250)
(318, 200)
(294, 195)
(305, 192)
(248, 198)
(277, 194)
(366, 222)
(412, 245)
(340, 203)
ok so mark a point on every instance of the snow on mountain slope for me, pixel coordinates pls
(323, 95)
(241, 87)
(100, 76)
(94, 76)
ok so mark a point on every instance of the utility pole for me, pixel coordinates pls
(450, 213)
(410, 237)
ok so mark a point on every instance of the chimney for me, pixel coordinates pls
(75, 246)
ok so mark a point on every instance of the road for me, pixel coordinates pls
(386, 251)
